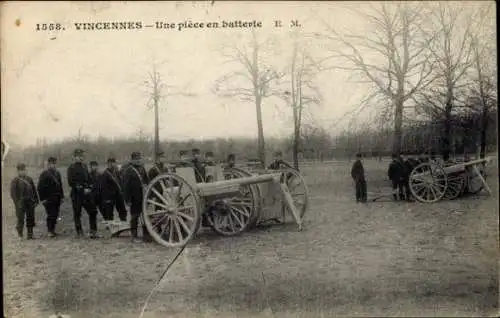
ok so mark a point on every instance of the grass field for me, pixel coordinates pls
(378, 259)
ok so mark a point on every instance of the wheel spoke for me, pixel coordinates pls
(241, 211)
(178, 230)
(170, 230)
(186, 228)
(230, 221)
(187, 217)
(157, 204)
(433, 192)
(166, 216)
(165, 189)
(159, 195)
(183, 200)
(237, 219)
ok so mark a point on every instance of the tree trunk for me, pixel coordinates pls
(260, 132)
(398, 124)
(446, 139)
(484, 128)
(296, 141)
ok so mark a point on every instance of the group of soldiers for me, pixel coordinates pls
(399, 172)
(95, 191)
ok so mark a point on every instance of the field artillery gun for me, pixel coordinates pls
(432, 181)
(175, 204)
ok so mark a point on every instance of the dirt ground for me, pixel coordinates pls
(379, 259)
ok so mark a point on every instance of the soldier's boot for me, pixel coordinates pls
(30, 233)
(19, 231)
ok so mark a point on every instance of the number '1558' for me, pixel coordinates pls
(49, 26)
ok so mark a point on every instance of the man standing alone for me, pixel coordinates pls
(51, 194)
(81, 194)
(358, 175)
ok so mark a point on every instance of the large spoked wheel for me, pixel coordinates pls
(254, 192)
(232, 216)
(298, 189)
(428, 182)
(171, 210)
(474, 183)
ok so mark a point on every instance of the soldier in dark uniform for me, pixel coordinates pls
(111, 192)
(51, 194)
(209, 158)
(184, 155)
(23, 193)
(397, 173)
(410, 164)
(95, 179)
(358, 175)
(81, 194)
(231, 160)
(157, 169)
(278, 162)
(135, 180)
(198, 165)
(159, 166)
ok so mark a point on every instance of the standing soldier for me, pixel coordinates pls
(81, 194)
(111, 192)
(396, 174)
(95, 179)
(184, 155)
(134, 180)
(358, 175)
(159, 166)
(278, 162)
(231, 160)
(198, 165)
(51, 194)
(23, 193)
(209, 158)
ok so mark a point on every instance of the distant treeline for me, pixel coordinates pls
(316, 144)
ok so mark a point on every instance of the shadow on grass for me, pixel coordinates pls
(316, 294)
(73, 292)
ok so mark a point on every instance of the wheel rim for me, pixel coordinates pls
(171, 213)
(456, 183)
(298, 190)
(232, 216)
(428, 182)
(235, 173)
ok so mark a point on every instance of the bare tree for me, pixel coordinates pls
(393, 56)
(255, 74)
(485, 70)
(452, 54)
(158, 91)
(301, 91)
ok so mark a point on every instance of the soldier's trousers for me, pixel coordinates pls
(360, 190)
(25, 211)
(79, 201)
(400, 189)
(135, 214)
(52, 209)
(108, 206)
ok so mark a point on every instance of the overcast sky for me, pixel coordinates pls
(54, 83)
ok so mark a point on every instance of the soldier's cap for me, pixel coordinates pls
(231, 156)
(52, 160)
(93, 163)
(21, 167)
(209, 154)
(278, 153)
(135, 155)
(358, 155)
(111, 160)
(394, 155)
(195, 150)
(78, 152)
